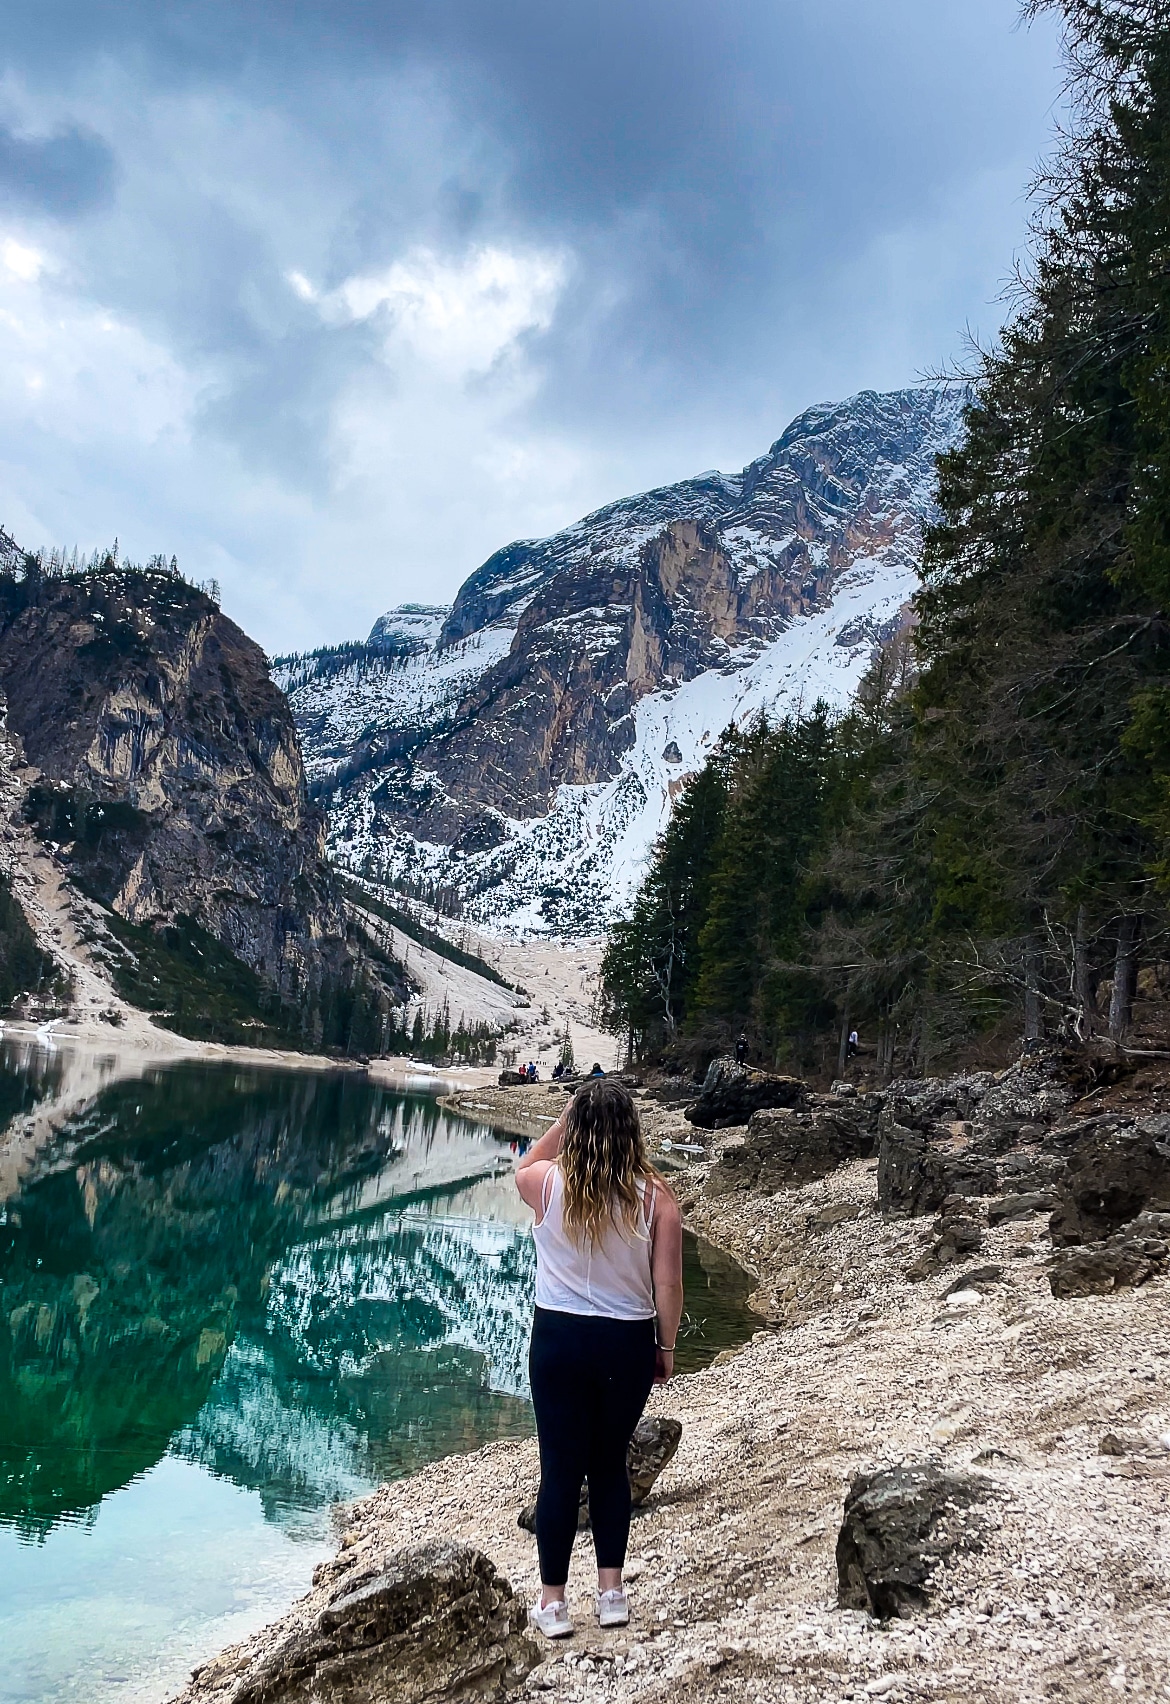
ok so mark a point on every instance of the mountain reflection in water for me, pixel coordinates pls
(384, 1344)
(299, 1281)
(285, 1248)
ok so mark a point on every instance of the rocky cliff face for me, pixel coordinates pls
(165, 767)
(527, 756)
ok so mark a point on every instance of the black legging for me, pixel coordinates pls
(590, 1380)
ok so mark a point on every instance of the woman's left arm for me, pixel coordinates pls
(666, 1273)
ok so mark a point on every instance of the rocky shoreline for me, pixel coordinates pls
(913, 1316)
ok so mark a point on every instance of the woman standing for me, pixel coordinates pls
(609, 1299)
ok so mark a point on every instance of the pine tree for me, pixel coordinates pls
(784, 793)
(1041, 707)
(651, 959)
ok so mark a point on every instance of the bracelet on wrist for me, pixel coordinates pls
(666, 1348)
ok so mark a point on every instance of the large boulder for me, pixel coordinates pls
(784, 1148)
(1130, 1258)
(653, 1446)
(898, 1526)
(435, 1623)
(1115, 1170)
(731, 1093)
(917, 1170)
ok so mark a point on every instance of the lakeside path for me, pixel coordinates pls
(734, 1592)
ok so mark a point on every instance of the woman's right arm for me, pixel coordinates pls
(532, 1169)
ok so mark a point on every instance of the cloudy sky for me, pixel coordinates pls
(333, 297)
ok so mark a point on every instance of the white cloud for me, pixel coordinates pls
(302, 286)
(326, 341)
(75, 372)
(21, 261)
(457, 316)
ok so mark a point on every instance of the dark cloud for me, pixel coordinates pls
(62, 175)
(757, 203)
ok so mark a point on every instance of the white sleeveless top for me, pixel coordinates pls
(610, 1278)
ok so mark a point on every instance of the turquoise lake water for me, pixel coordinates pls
(229, 1300)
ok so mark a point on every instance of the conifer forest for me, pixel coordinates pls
(980, 847)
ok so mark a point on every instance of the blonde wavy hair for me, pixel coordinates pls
(601, 1161)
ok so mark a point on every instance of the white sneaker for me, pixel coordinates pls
(551, 1618)
(613, 1608)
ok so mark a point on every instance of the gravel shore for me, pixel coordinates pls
(734, 1593)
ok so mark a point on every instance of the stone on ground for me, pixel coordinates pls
(652, 1448)
(435, 1623)
(899, 1525)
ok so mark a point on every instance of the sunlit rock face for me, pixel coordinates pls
(172, 764)
(526, 753)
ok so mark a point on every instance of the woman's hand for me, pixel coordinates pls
(548, 1146)
(663, 1365)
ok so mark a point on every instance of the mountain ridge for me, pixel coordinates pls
(522, 759)
(147, 752)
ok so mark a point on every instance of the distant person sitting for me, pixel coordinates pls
(558, 1070)
(597, 1071)
(741, 1049)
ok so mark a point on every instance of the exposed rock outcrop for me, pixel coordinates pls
(436, 1623)
(899, 1525)
(165, 767)
(997, 1148)
(785, 1147)
(731, 1093)
(973, 1135)
(1115, 1170)
(916, 1173)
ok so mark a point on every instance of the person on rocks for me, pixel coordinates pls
(609, 1298)
(741, 1048)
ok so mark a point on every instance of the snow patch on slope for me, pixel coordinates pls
(338, 709)
(569, 871)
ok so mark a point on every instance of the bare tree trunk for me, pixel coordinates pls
(917, 1046)
(843, 1048)
(1129, 930)
(1086, 994)
(1033, 1024)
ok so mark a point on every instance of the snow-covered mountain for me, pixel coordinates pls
(522, 748)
